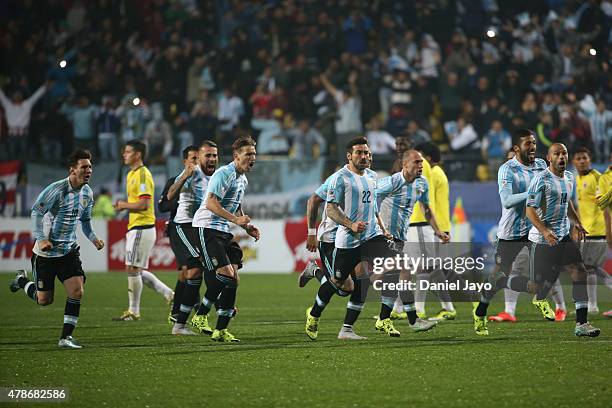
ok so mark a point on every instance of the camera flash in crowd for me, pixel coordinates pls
(593, 51)
(136, 101)
(490, 33)
(63, 64)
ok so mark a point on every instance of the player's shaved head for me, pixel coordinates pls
(410, 154)
(554, 147)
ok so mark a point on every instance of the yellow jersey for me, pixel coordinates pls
(140, 185)
(590, 215)
(417, 214)
(605, 190)
(441, 209)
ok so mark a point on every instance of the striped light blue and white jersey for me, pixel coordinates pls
(356, 196)
(56, 213)
(398, 200)
(550, 195)
(514, 178)
(229, 186)
(191, 195)
(327, 228)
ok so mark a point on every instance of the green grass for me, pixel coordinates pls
(139, 364)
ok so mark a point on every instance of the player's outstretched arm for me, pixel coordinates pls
(180, 181)
(381, 224)
(140, 205)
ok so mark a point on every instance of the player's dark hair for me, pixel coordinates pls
(430, 149)
(519, 134)
(242, 142)
(77, 155)
(582, 149)
(359, 140)
(139, 146)
(188, 149)
(208, 143)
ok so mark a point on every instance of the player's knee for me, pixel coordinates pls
(229, 281)
(76, 293)
(577, 272)
(193, 273)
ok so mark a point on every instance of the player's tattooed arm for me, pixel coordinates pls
(381, 224)
(337, 216)
(431, 219)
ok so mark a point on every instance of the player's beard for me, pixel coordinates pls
(525, 158)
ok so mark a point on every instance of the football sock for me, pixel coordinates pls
(386, 306)
(410, 310)
(214, 286)
(592, 290)
(178, 295)
(556, 293)
(444, 295)
(71, 316)
(356, 301)
(154, 283)
(420, 295)
(188, 299)
(227, 300)
(30, 291)
(324, 295)
(510, 297)
(517, 283)
(134, 292)
(398, 307)
(481, 309)
(581, 302)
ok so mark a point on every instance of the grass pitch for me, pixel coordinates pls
(139, 364)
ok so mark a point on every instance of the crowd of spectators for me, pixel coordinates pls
(303, 76)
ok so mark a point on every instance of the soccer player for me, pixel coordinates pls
(513, 178)
(58, 209)
(421, 240)
(399, 194)
(165, 205)
(604, 202)
(594, 248)
(190, 186)
(222, 256)
(550, 209)
(141, 236)
(351, 203)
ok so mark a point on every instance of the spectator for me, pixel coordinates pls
(158, 136)
(601, 127)
(450, 94)
(184, 137)
(495, 144)
(306, 141)
(82, 117)
(231, 110)
(462, 135)
(133, 113)
(17, 112)
(107, 125)
(380, 141)
(271, 139)
(415, 134)
(103, 206)
(348, 107)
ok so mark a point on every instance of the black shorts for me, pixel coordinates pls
(344, 260)
(45, 270)
(545, 260)
(218, 249)
(326, 250)
(506, 251)
(184, 244)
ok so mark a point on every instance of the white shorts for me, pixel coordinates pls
(594, 252)
(138, 246)
(421, 242)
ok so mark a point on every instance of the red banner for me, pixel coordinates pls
(161, 258)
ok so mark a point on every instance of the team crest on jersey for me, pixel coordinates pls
(84, 202)
(143, 187)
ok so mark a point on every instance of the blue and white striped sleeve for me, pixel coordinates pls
(46, 199)
(535, 191)
(424, 198)
(86, 221)
(335, 192)
(218, 184)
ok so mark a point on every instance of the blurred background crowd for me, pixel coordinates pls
(304, 76)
